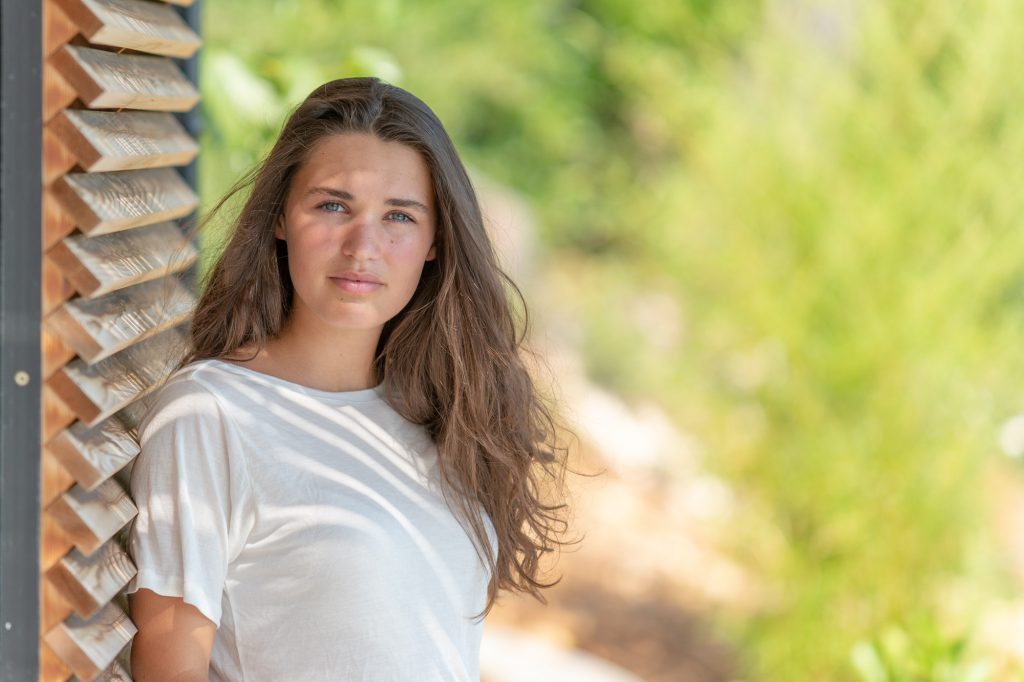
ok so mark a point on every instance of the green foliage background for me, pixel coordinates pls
(795, 224)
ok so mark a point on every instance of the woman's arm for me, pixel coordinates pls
(174, 639)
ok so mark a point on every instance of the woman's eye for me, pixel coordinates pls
(331, 206)
(400, 217)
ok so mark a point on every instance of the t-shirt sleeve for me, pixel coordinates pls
(195, 502)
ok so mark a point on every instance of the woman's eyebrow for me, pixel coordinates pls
(339, 193)
(408, 203)
(342, 194)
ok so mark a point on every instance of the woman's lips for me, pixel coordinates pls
(356, 283)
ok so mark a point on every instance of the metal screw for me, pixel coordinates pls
(7, 625)
(21, 378)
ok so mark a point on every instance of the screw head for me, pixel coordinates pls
(21, 378)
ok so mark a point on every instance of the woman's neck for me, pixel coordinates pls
(329, 362)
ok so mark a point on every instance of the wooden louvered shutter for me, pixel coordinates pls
(113, 305)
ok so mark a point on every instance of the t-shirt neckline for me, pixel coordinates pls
(356, 396)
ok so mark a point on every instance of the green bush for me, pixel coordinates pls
(796, 224)
(923, 654)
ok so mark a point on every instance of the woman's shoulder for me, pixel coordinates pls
(198, 376)
(225, 385)
(196, 389)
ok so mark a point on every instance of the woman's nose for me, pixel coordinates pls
(362, 238)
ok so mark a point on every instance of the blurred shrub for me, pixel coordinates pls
(796, 223)
(922, 654)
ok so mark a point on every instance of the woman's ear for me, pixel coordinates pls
(432, 254)
(279, 228)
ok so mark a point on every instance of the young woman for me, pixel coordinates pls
(352, 460)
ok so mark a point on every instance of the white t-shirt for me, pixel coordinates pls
(309, 526)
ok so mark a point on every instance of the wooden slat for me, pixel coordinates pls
(51, 668)
(89, 582)
(58, 93)
(57, 223)
(56, 353)
(105, 263)
(55, 542)
(94, 392)
(131, 415)
(91, 517)
(89, 646)
(106, 141)
(57, 158)
(92, 455)
(134, 24)
(99, 327)
(108, 202)
(124, 476)
(56, 479)
(105, 80)
(56, 288)
(55, 607)
(117, 671)
(57, 414)
(58, 29)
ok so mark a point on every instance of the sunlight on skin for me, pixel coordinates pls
(174, 639)
(358, 224)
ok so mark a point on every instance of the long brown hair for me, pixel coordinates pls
(451, 360)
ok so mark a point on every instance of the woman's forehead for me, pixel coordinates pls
(364, 159)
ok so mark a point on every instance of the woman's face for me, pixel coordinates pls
(359, 224)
